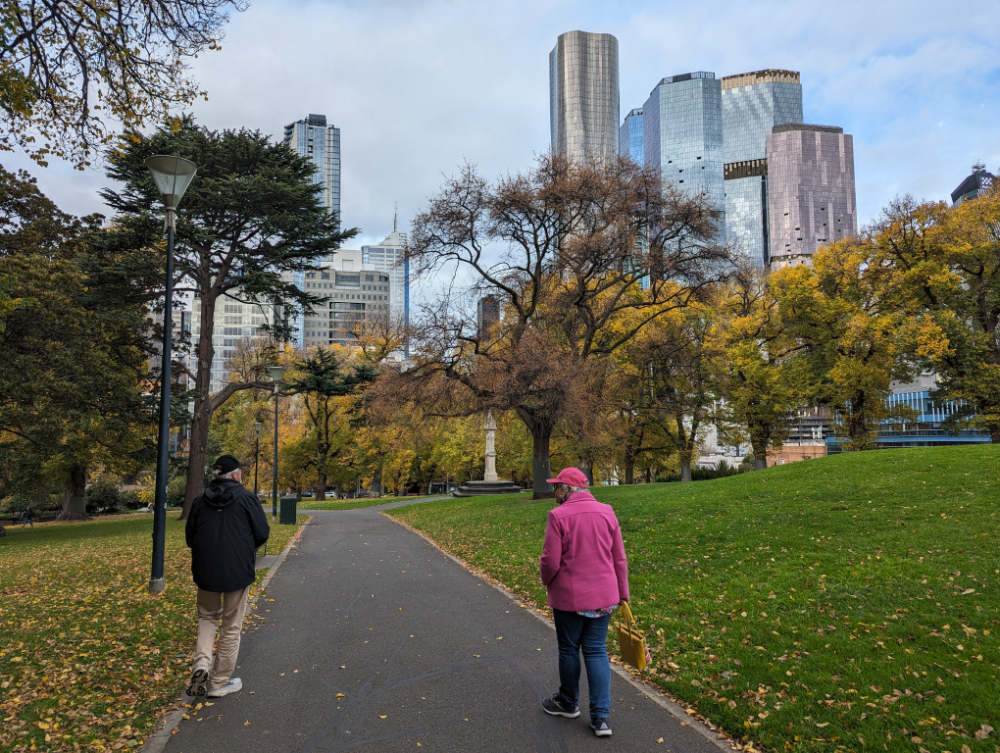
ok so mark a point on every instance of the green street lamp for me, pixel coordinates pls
(172, 176)
(276, 373)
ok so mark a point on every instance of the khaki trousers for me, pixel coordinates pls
(229, 607)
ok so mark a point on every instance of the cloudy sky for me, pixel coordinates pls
(419, 86)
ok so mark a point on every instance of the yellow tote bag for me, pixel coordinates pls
(631, 642)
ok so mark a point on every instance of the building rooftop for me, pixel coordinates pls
(685, 77)
(769, 75)
(979, 179)
(785, 127)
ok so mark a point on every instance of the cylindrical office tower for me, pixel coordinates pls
(583, 95)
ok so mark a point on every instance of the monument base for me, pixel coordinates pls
(479, 488)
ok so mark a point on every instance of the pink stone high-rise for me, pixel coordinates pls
(811, 195)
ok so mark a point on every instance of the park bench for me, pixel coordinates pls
(15, 519)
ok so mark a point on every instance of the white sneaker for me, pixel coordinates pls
(235, 684)
(199, 681)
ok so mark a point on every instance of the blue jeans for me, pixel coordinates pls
(575, 632)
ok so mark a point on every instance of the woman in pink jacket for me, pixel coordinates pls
(585, 571)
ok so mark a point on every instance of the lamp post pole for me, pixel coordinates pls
(172, 176)
(276, 373)
(257, 426)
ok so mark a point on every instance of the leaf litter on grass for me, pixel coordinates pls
(811, 606)
(89, 658)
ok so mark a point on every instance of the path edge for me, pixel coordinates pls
(157, 741)
(688, 716)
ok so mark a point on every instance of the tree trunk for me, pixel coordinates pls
(540, 468)
(321, 486)
(995, 433)
(687, 445)
(377, 482)
(201, 419)
(203, 409)
(629, 473)
(197, 449)
(759, 463)
(75, 506)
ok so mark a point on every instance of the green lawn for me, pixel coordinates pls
(842, 603)
(353, 504)
(88, 658)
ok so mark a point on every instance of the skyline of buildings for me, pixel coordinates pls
(780, 192)
(712, 136)
(354, 284)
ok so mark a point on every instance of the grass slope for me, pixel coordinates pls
(843, 603)
(89, 659)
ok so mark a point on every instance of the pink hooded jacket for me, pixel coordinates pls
(583, 561)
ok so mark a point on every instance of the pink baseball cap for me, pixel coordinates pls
(571, 476)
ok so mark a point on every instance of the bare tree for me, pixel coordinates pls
(582, 256)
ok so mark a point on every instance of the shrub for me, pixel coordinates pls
(48, 502)
(707, 474)
(14, 504)
(131, 501)
(175, 491)
(146, 497)
(103, 496)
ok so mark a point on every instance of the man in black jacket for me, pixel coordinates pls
(224, 529)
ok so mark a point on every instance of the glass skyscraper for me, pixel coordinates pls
(320, 143)
(752, 104)
(630, 136)
(583, 95)
(682, 135)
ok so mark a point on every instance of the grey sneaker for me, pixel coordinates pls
(600, 727)
(199, 682)
(235, 684)
(557, 707)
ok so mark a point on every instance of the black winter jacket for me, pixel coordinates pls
(225, 527)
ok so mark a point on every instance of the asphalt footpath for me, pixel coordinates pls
(373, 640)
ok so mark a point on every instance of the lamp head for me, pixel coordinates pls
(257, 426)
(276, 372)
(172, 176)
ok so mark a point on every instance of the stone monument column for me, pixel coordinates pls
(491, 455)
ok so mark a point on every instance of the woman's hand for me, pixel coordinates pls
(623, 602)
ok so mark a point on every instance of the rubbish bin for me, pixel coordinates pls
(287, 517)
